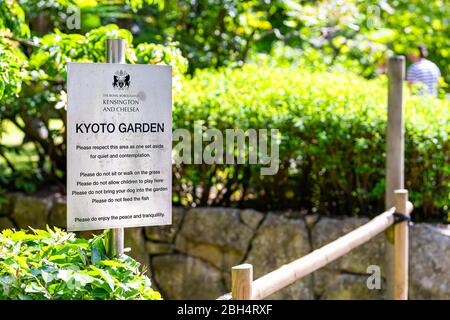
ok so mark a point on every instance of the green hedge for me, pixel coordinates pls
(332, 146)
(53, 264)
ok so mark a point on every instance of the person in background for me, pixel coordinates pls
(423, 71)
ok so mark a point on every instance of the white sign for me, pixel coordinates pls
(119, 144)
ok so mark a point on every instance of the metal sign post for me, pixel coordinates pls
(119, 168)
(115, 53)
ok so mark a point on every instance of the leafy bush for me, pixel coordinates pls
(361, 34)
(53, 264)
(332, 147)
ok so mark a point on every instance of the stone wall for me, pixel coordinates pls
(191, 259)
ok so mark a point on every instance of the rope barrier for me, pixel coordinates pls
(243, 286)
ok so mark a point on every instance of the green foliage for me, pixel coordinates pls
(12, 17)
(53, 264)
(12, 20)
(420, 21)
(360, 34)
(56, 50)
(11, 63)
(212, 33)
(150, 53)
(332, 147)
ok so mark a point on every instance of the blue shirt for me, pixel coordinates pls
(425, 72)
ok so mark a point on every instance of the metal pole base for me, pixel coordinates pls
(114, 242)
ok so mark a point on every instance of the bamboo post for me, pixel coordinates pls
(241, 282)
(394, 154)
(401, 247)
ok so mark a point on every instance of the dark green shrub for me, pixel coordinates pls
(54, 264)
(332, 147)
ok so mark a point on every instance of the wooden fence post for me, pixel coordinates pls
(241, 282)
(401, 247)
(394, 155)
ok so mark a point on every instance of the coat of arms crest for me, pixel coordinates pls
(121, 80)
